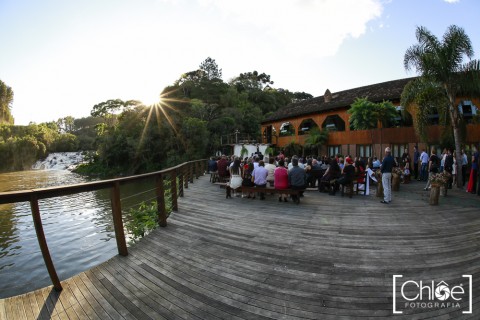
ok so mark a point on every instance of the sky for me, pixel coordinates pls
(63, 57)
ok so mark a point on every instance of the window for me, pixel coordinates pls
(398, 149)
(306, 126)
(468, 110)
(433, 117)
(403, 119)
(364, 151)
(333, 151)
(287, 129)
(334, 123)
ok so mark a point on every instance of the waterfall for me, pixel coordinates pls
(59, 161)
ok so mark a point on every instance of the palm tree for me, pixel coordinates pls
(442, 62)
(316, 139)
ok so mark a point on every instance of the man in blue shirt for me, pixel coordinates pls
(387, 165)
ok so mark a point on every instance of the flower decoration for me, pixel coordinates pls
(439, 178)
(397, 171)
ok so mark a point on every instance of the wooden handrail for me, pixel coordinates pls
(184, 172)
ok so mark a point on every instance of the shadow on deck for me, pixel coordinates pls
(327, 258)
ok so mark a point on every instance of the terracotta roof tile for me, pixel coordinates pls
(390, 90)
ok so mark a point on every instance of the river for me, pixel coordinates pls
(78, 228)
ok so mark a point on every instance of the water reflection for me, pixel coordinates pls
(78, 228)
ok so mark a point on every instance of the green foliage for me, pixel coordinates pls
(316, 139)
(6, 100)
(421, 98)
(243, 152)
(142, 220)
(292, 148)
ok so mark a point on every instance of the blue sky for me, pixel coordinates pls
(63, 57)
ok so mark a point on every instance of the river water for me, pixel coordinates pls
(78, 228)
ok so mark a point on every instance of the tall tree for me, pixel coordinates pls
(443, 62)
(6, 100)
(365, 115)
(210, 68)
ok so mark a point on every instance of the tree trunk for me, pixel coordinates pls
(457, 135)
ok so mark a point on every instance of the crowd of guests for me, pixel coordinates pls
(328, 174)
(325, 173)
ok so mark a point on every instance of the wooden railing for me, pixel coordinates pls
(185, 173)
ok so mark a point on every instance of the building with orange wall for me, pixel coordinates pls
(294, 121)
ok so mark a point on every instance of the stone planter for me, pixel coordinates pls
(379, 192)
(434, 194)
(395, 182)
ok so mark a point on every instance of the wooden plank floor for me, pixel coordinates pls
(327, 258)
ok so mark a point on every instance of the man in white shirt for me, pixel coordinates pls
(424, 158)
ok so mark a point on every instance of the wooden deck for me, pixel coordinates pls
(327, 258)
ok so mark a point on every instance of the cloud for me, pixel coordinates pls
(452, 1)
(317, 27)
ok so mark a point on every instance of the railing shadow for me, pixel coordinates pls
(49, 305)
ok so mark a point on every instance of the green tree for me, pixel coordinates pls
(211, 70)
(365, 115)
(443, 62)
(316, 139)
(6, 100)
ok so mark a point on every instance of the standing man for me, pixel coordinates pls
(416, 157)
(424, 158)
(387, 165)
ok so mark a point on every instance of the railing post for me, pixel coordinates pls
(191, 168)
(186, 177)
(173, 190)
(37, 221)
(180, 182)
(117, 219)
(162, 213)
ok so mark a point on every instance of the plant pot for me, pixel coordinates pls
(395, 182)
(379, 192)
(434, 194)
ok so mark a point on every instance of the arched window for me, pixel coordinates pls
(306, 126)
(287, 129)
(334, 123)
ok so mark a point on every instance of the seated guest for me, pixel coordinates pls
(375, 164)
(212, 165)
(235, 177)
(271, 169)
(222, 166)
(247, 175)
(259, 175)
(333, 172)
(346, 177)
(359, 169)
(281, 179)
(297, 179)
